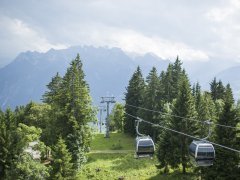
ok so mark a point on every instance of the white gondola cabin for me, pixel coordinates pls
(203, 153)
(144, 146)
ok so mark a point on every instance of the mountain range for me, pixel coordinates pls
(107, 70)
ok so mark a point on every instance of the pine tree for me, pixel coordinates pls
(197, 94)
(167, 81)
(226, 163)
(77, 111)
(217, 89)
(221, 90)
(3, 150)
(133, 96)
(205, 111)
(183, 107)
(8, 141)
(171, 80)
(117, 118)
(71, 111)
(177, 73)
(151, 102)
(213, 89)
(164, 145)
(62, 166)
(52, 95)
(205, 108)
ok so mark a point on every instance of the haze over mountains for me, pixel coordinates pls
(107, 71)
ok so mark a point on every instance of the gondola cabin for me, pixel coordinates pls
(144, 146)
(202, 153)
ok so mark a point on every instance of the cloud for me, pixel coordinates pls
(132, 41)
(194, 30)
(226, 27)
(129, 40)
(17, 36)
(224, 12)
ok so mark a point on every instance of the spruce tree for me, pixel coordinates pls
(177, 73)
(71, 111)
(167, 81)
(133, 96)
(226, 163)
(77, 109)
(213, 89)
(171, 80)
(52, 95)
(117, 118)
(164, 145)
(197, 94)
(62, 168)
(217, 89)
(152, 102)
(205, 107)
(8, 141)
(184, 106)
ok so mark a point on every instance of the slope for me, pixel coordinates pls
(104, 165)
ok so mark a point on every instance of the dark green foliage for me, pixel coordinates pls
(164, 145)
(226, 164)
(177, 73)
(217, 89)
(151, 101)
(38, 115)
(117, 118)
(25, 167)
(133, 96)
(71, 111)
(52, 96)
(62, 168)
(206, 111)
(197, 94)
(62, 123)
(14, 163)
(183, 107)
(8, 140)
(171, 79)
(167, 81)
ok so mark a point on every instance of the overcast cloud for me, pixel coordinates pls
(195, 30)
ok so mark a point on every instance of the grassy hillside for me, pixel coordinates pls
(116, 141)
(104, 165)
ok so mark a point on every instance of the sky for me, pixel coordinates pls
(195, 30)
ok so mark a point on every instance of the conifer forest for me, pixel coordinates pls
(55, 139)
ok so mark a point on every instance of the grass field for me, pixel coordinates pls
(105, 166)
(122, 141)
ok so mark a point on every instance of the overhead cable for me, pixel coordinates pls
(193, 137)
(190, 119)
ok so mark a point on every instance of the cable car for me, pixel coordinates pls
(202, 153)
(144, 146)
